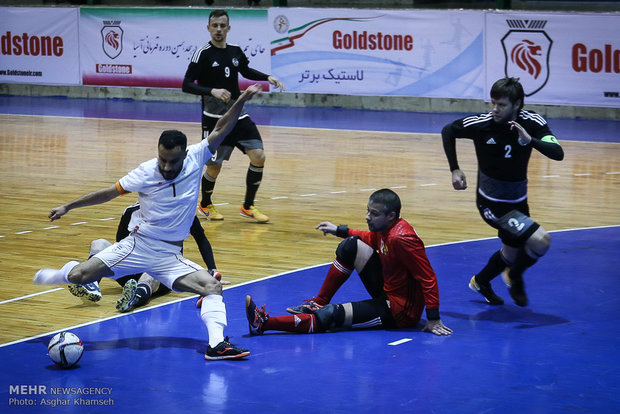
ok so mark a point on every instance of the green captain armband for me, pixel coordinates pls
(550, 138)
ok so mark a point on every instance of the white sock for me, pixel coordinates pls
(54, 276)
(213, 314)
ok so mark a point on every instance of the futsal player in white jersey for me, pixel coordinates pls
(168, 187)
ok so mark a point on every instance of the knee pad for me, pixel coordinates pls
(347, 251)
(329, 317)
(538, 244)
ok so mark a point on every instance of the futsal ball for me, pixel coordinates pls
(65, 349)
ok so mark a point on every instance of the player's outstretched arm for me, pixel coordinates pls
(276, 83)
(227, 122)
(96, 197)
(327, 228)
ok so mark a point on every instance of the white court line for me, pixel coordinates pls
(107, 219)
(24, 232)
(551, 176)
(399, 186)
(612, 172)
(400, 341)
(582, 175)
(146, 308)
(338, 192)
(29, 296)
(368, 189)
(78, 223)
(427, 185)
(51, 227)
(308, 195)
(278, 198)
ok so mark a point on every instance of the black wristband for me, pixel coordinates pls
(432, 314)
(342, 231)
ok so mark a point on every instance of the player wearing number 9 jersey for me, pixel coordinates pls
(503, 140)
(213, 73)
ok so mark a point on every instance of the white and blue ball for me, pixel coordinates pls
(65, 349)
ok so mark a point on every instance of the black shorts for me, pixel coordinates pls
(512, 221)
(377, 307)
(244, 130)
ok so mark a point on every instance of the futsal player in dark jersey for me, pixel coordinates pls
(213, 73)
(139, 288)
(503, 140)
(391, 261)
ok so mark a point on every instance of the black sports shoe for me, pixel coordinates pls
(225, 350)
(516, 287)
(256, 316)
(486, 291)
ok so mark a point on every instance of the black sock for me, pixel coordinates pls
(207, 190)
(143, 293)
(493, 268)
(522, 262)
(252, 182)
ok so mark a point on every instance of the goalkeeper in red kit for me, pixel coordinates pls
(391, 261)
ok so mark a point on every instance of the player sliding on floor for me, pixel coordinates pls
(168, 187)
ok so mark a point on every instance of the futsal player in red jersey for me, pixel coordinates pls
(392, 263)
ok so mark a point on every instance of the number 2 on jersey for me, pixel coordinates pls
(508, 149)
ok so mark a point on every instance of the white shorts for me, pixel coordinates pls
(139, 254)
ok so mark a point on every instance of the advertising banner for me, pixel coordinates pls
(561, 59)
(153, 47)
(39, 46)
(427, 53)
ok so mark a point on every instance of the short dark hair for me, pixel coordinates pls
(389, 199)
(172, 138)
(510, 88)
(219, 13)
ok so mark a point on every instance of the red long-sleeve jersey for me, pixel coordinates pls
(408, 277)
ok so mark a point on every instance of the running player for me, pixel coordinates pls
(504, 139)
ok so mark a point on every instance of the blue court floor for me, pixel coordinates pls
(557, 355)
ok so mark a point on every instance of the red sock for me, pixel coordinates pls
(302, 323)
(336, 276)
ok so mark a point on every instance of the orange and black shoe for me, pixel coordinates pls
(225, 350)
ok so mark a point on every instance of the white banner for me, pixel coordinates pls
(432, 53)
(39, 45)
(561, 59)
(153, 47)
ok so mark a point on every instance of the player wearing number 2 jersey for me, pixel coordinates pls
(213, 74)
(503, 140)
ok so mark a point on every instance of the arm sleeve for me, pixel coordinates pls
(549, 146)
(248, 72)
(411, 252)
(448, 137)
(189, 81)
(254, 74)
